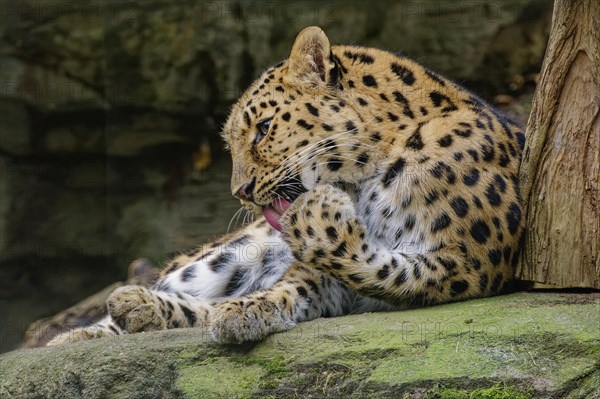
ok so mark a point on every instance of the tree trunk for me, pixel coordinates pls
(560, 171)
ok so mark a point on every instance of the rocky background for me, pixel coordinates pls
(110, 112)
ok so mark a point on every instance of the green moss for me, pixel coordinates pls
(274, 369)
(517, 341)
(275, 366)
(508, 339)
(496, 392)
(587, 386)
(219, 378)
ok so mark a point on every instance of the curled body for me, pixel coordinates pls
(383, 185)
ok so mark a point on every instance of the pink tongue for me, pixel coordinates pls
(274, 211)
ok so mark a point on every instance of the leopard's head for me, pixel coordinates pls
(294, 127)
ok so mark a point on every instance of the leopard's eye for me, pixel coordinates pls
(263, 129)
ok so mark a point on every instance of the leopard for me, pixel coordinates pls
(377, 185)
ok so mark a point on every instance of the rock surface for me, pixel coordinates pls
(523, 345)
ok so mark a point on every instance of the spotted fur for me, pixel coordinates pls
(404, 189)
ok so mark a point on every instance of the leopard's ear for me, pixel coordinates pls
(311, 61)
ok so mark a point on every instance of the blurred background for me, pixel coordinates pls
(110, 113)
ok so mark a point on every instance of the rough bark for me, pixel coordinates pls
(561, 163)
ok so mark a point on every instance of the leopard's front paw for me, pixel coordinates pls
(321, 226)
(135, 308)
(236, 322)
(80, 334)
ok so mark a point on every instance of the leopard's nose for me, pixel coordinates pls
(245, 191)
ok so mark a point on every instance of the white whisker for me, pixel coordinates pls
(233, 217)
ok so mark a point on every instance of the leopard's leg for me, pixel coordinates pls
(102, 328)
(334, 240)
(250, 259)
(236, 288)
(133, 308)
(302, 294)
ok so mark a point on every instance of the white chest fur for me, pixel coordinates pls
(390, 217)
